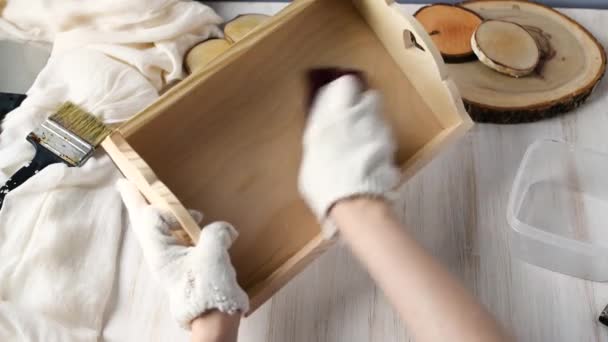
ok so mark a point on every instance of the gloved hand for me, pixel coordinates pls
(199, 278)
(348, 149)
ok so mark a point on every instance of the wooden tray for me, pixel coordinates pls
(227, 140)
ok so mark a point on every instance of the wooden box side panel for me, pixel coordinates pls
(412, 48)
(134, 168)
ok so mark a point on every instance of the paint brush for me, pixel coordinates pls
(69, 136)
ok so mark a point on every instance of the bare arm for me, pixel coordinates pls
(215, 326)
(430, 301)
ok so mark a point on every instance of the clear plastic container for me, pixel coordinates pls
(558, 210)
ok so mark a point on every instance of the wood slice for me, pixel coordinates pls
(202, 54)
(570, 67)
(451, 28)
(237, 28)
(506, 47)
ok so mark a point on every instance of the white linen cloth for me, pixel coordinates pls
(60, 231)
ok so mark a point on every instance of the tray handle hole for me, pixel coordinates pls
(409, 40)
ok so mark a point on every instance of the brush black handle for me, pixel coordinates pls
(9, 101)
(42, 159)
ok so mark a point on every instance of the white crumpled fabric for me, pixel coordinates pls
(60, 231)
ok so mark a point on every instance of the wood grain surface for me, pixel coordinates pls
(456, 207)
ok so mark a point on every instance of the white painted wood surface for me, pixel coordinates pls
(456, 207)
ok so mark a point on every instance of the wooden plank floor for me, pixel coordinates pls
(456, 207)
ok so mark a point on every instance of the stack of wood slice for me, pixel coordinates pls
(533, 62)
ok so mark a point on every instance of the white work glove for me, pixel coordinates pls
(348, 149)
(199, 278)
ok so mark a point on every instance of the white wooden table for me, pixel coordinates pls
(456, 207)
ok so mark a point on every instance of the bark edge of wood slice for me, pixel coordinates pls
(452, 36)
(563, 80)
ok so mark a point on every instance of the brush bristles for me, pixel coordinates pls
(81, 123)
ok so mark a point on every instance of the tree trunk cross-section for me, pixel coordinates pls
(572, 63)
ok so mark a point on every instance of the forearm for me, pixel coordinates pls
(215, 326)
(431, 302)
